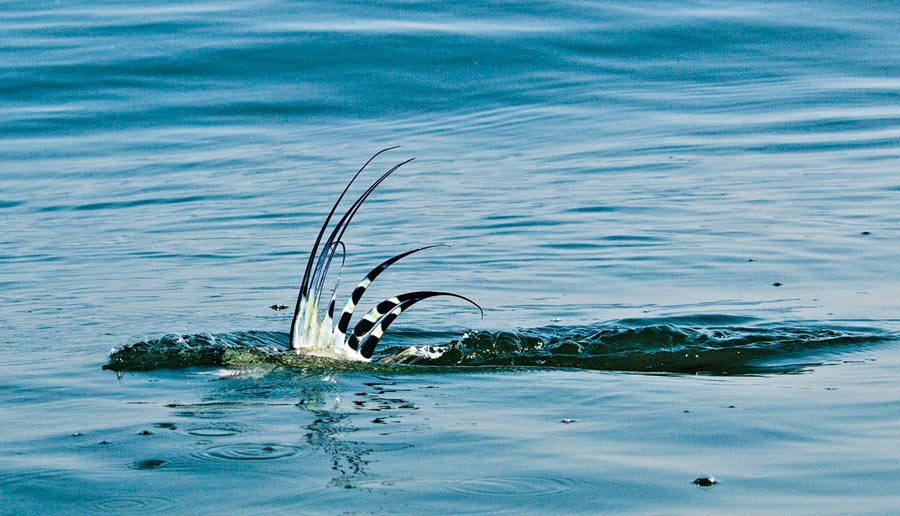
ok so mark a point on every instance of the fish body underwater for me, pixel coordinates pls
(323, 335)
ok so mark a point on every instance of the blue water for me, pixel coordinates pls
(681, 218)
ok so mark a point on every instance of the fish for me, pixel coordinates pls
(323, 335)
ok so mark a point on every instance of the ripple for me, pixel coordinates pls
(214, 431)
(250, 451)
(213, 410)
(514, 486)
(131, 505)
(29, 477)
(205, 414)
(255, 392)
(388, 447)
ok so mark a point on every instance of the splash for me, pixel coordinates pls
(702, 344)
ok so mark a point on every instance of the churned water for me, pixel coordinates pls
(682, 220)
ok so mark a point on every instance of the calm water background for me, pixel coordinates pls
(164, 169)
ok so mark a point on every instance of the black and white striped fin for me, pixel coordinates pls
(379, 318)
(321, 268)
(333, 250)
(371, 342)
(337, 283)
(304, 285)
(360, 289)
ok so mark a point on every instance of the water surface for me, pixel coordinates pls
(681, 219)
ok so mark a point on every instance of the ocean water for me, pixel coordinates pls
(682, 220)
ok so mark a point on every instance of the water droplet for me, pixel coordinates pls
(707, 481)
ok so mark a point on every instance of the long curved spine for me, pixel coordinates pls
(304, 285)
(337, 233)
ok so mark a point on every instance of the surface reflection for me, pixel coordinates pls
(346, 417)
